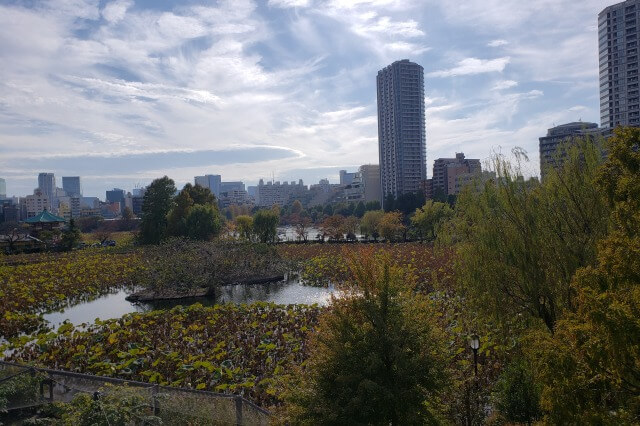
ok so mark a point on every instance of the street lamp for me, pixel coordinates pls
(474, 344)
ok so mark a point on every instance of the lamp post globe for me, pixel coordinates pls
(474, 344)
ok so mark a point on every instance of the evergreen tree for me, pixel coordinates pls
(71, 236)
(360, 210)
(156, 204)
(373, 359)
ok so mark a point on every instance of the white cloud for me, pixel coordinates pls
(289, 3)
(504, 84)
(497, 43)
(115, 11)
(470, 66)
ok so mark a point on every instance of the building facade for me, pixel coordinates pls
(447, 170)
(550, 156)
(3, 189)
(47, 186)
(71, 185)
(36, 203)
(347, 178)
(276, 193)
(370, 177)
(210, 181)
(231, 186)
(401, 128)
(618, 55)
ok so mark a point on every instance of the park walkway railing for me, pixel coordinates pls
(34, 386)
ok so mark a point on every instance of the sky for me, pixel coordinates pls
(124, 91)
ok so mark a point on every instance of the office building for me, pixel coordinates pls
(3, 189)
(116, 195)
(550, 155)
(618, 52)
(447, 170)
(401, 128)
(210, 181)
(231, 186)
(71, 185)
(47, 186)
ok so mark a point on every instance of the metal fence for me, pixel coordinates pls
(32, 387)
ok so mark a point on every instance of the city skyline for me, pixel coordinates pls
(246, 90)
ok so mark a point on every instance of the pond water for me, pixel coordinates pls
(114, 305)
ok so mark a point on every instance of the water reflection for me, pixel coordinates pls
(114, 305)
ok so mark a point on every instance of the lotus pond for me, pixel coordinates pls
(114, 305)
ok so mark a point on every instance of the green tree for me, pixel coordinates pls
(430, 217)
(177, 217)
(244, 226)
(71, 236)
(391, 227)
(265, 225)
(114, 406)
(203, 222)
(373, 357)
(328, 210)
(157, 201)
(199, 194)
(189, 197)
(590, 366)
(360, 210)
(370, 223)
(520, 242)
(516, 395)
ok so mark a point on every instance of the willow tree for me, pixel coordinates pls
(521, 241)
(590, 368)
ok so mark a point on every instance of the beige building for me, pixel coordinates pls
(370, 178)
(36, 203)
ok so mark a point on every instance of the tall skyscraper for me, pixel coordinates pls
(3, 188)
(618, 40)
(47, 185)
(71, 185)
(401, 128)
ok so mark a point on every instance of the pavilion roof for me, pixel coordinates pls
(45, 217)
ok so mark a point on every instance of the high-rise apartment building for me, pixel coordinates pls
(550, 156)
(618, 42)
(47, 185)
(71, 185)
(401, 128)
(3, 188)
(209, 181)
